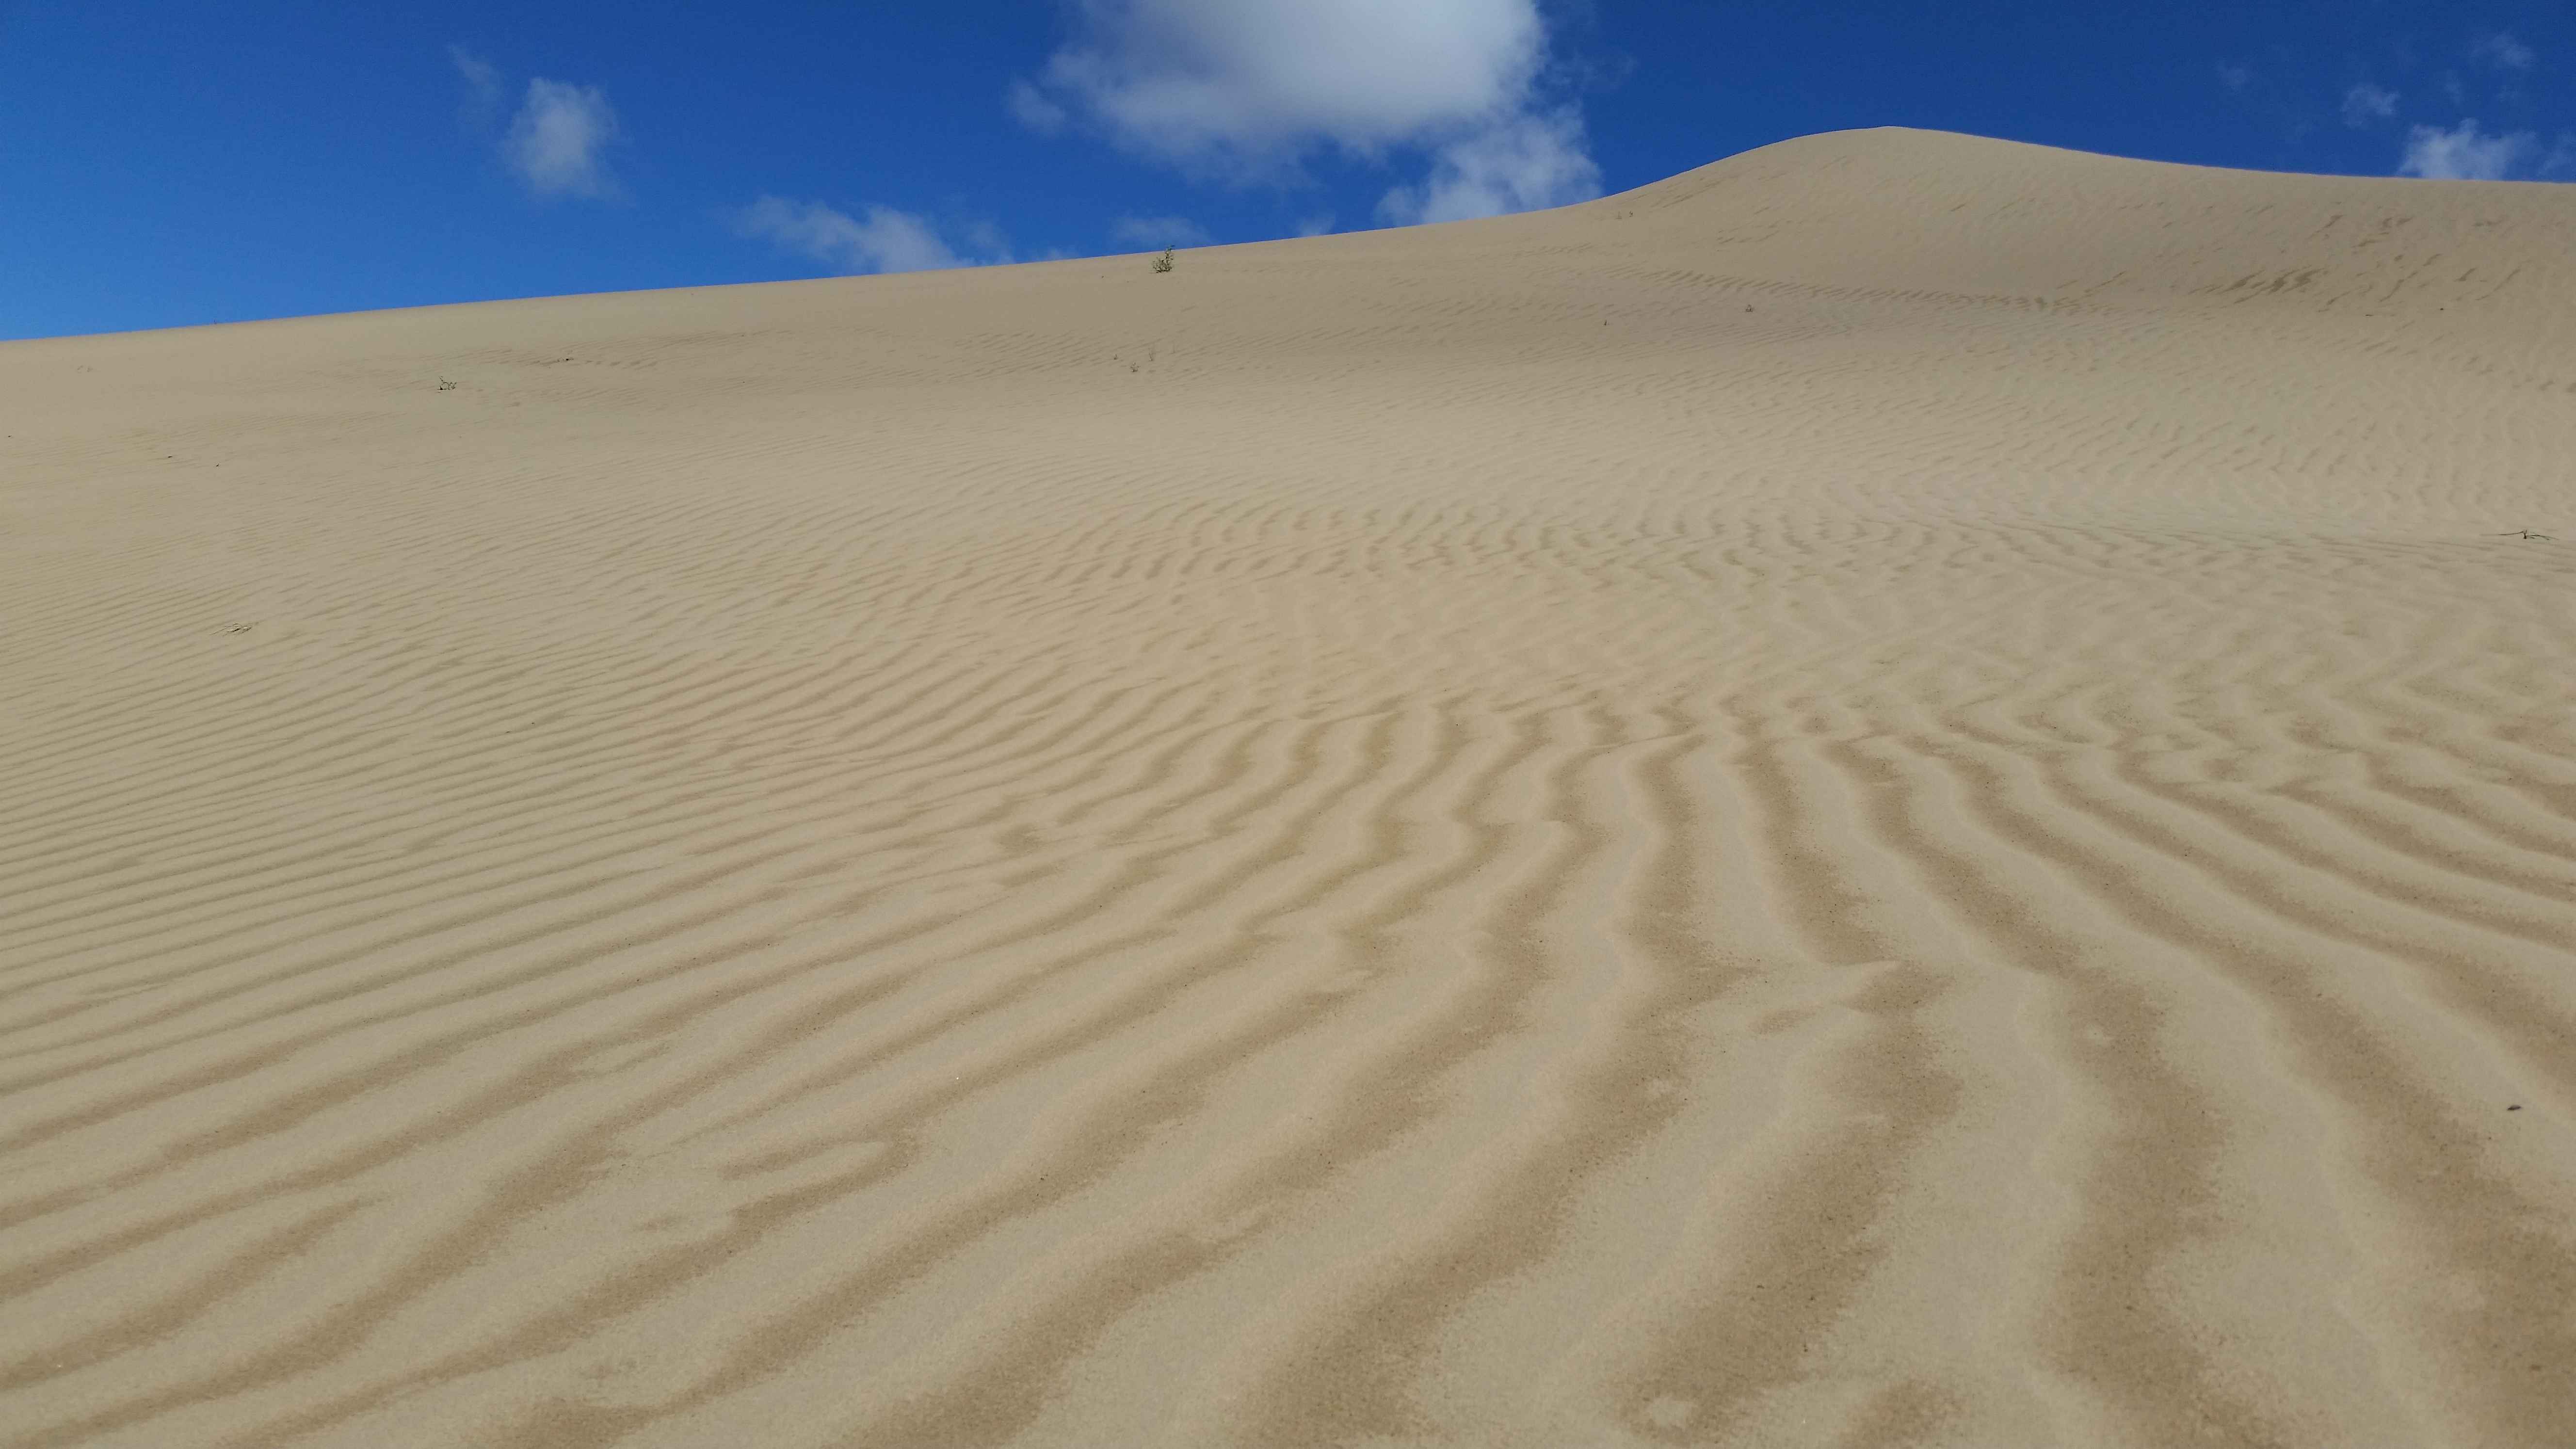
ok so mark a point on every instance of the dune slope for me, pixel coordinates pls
(1903, 790)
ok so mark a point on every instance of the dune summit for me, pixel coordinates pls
(1905, 790)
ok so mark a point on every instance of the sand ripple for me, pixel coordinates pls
(1905, 790)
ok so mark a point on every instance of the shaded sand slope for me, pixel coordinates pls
(1904, 790)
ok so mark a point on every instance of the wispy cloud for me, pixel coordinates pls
(2504, 52)
(1032, 109)
(1159, 231)
(482, 106)
(880, 239)
(554, 144)
(2463, 154)
(1242, 90)
(2366, 103)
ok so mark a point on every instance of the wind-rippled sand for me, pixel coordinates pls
(1904, 790)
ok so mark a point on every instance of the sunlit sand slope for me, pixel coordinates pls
(1904, 790)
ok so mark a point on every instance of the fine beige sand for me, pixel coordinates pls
(1906, 790)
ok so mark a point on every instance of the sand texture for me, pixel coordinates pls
(1905, 790)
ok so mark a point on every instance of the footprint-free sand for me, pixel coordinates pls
(1905, 790)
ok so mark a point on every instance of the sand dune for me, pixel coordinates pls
(1905, 790)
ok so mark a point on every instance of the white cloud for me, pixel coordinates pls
(1532, 162)
(1242, 89)
(886, 240)
(2504, 52)
(1191, 79)
(1159, 231)
(2462, 154)
(2365, 103)
(555, 141)
(2235, 77)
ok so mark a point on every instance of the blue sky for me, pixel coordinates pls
(167, 164)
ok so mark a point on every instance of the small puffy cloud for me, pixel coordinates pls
(2504, 52)
(1159, 231)
(2463, 154)
(2235, 77)
(880, 239)
(2366, 103)
(1244, 89)
(1533, 162)
(1317, 225)
(555, 141)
